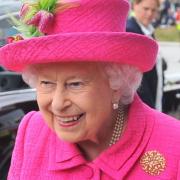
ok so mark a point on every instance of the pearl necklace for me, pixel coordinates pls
(118, 126)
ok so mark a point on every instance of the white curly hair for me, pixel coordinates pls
(124, 78)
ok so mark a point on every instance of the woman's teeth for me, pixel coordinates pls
(70, 119)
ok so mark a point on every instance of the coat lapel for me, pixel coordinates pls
(63, 155)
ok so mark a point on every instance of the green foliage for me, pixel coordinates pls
(170, 33)
(34, 6)
(48, 5)
(33, 9)
(26, 30)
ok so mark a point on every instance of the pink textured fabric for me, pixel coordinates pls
(39, 154)
(94, 30)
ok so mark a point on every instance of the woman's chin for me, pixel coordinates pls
(68, 137)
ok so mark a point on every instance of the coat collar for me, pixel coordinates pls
(123, 154)
(63, 155)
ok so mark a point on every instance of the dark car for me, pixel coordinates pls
(16, 98)
(9, 80)
(13, 105)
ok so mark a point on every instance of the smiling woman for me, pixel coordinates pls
(75, 97)
(86, 70)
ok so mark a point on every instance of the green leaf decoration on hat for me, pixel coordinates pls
(48, 5)
(37, 15)
(26, 30)
(29, 24)
(29, 9)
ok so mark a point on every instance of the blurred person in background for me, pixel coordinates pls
(167, 13)
(151, 90)
(164, 11)
(177, 17)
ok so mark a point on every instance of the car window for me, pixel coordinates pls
(6, 26)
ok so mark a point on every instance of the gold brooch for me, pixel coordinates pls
(153, 163)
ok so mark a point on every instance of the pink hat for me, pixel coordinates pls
(79, 30)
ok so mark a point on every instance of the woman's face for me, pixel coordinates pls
(75, 100)
(146, 11)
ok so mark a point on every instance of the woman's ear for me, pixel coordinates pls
(116, 95)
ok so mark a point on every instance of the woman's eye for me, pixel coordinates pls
(46, 84)
(75, 85)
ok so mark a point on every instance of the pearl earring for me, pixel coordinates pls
(115, 106)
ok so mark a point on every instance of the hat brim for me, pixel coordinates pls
(119, 47)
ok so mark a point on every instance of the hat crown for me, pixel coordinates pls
(91, 16)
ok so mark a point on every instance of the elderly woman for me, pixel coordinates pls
(91, 123)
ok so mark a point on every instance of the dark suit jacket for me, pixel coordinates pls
(148, 88)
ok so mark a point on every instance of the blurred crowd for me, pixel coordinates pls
(169, 13)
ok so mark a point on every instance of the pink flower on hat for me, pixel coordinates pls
(42, 19)
(12, 39)
(37, 16)
(24, 9)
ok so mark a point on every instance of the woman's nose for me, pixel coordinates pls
(60, 100)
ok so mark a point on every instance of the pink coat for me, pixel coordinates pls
(40, 155)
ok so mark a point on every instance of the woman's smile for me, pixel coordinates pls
(69, 121)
